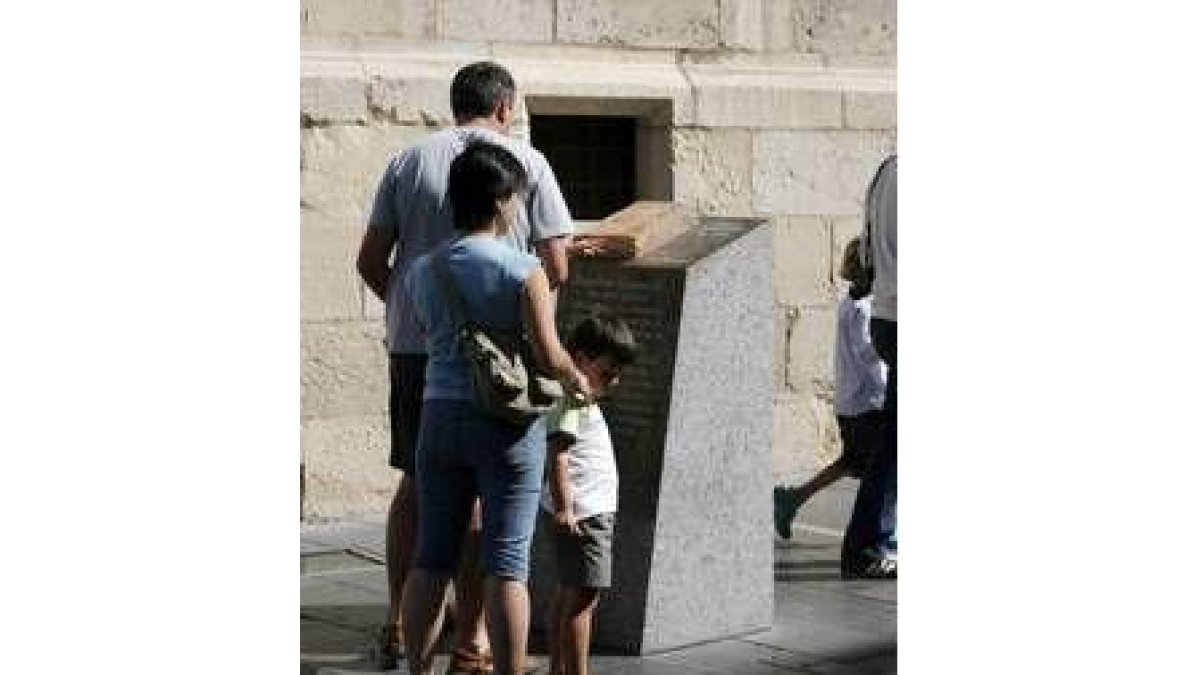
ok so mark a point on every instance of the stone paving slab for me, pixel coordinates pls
(727, 656)
(878, 662)
(365, 535)
(334, 643)
(373, 581)
(312, 546)
(823, 625)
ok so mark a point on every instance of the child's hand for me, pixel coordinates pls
(565, 521)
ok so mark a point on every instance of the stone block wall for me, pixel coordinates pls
(777, 108)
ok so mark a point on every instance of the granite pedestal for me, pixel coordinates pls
(691, 427)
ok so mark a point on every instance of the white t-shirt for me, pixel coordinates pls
(591, 464)
(858, 371)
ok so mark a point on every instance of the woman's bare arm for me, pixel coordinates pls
(539, 323)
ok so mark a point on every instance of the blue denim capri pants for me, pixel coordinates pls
(463, 452)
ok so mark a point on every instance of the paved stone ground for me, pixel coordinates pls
(823, 625)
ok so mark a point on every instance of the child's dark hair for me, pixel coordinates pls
(602, 334)
(482, 175)
(478, 88)
(854, 271)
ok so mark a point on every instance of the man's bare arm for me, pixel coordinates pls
(553, 253)
(374, 260)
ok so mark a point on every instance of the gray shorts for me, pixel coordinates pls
(584, 560)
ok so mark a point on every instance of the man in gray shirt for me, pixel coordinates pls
(869, 546)
(410, 217)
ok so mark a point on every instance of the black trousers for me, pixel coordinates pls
(872, 524)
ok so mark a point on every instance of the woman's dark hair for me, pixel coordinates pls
(602, 334)
(482, 175)
(478, 88)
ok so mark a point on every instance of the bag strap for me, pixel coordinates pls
(454, 299)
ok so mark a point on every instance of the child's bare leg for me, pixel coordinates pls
(823, 479)
(575, 631)
(787, 500)
(556, 625)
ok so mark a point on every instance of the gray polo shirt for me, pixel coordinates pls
(880, 230)
(411, 203)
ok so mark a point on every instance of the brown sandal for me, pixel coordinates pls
(465, 662)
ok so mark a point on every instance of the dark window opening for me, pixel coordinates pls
(593, 158)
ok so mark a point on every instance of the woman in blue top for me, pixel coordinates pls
(463, 451)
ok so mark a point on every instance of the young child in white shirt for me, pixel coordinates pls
(579, 500)
(860, 378)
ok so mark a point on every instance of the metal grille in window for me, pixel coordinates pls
(593, 158)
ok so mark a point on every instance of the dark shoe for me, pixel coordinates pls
(388, 648)
(869, 565)
(786, 503)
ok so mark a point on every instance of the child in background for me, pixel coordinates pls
(860, 379)
(580, 495)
